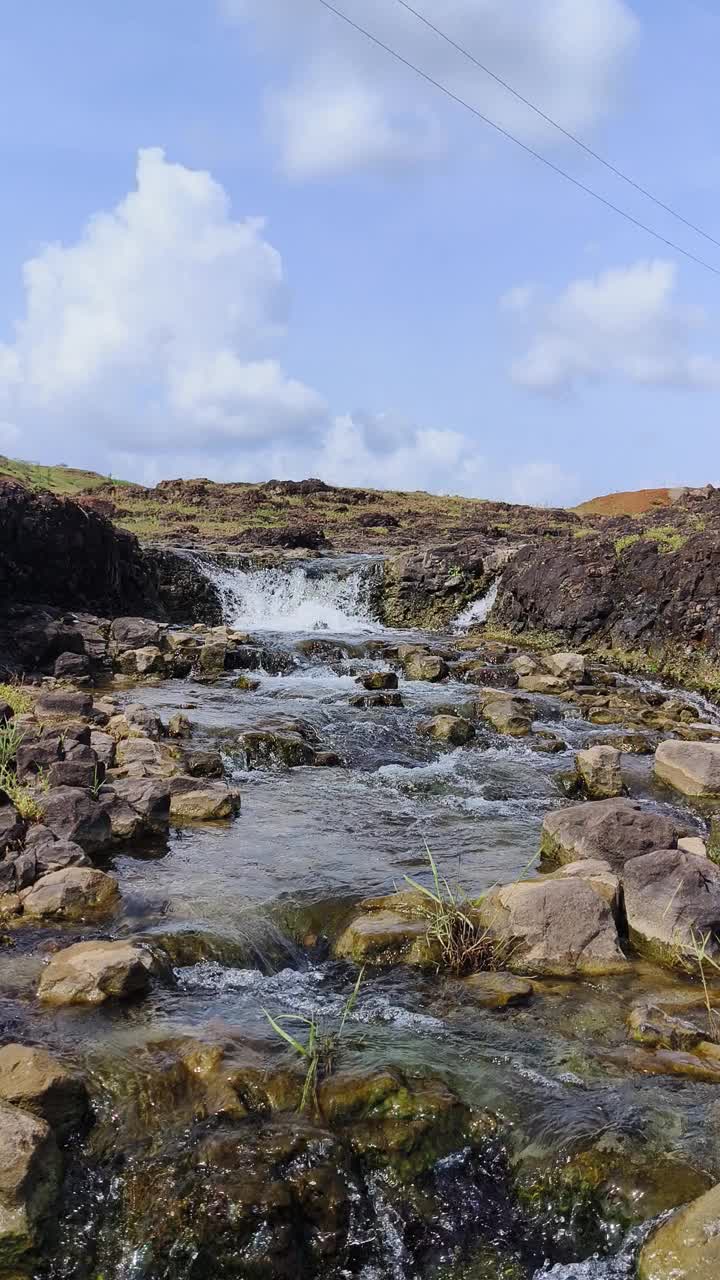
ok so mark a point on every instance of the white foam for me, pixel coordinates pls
(294, 600)
(479, 611)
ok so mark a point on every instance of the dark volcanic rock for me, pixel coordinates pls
(71, 815)
(185, 593)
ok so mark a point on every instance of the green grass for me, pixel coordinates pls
(58, 479)
(24, 800)
(319, 1050)
(667, 538)
(462, 945)
(16, 697)
(542, 641)
(627, 540)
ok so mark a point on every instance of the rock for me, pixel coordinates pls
(179, 726)
(211, 658)
(263, 747)
(507, 714)
(72, 815)
(561, 927)
(53, 855)
(136, 807)
(34, 1081)
(138, 751)
(453, 729)
(541, 683)
(72, 893)
(693, 844)
(670, 896)
(378, 680)
(144, 722)
(639, 744)
(134, 633)
(6, 712)
(426, 666)
(145, 661)
(246, 683)
(12, 828)
(93, 972)
(59, 705)
(103, 744)
(546, 743)
(71, 666)
(379, 938)
(203, 764)
(690, 767)
(651, 1024)
(370, 700)
(525, 665)
(194, 801)
(34, 757)
(687, 1245)
(570, 667)
(599, 771)
(599, 876)
(612, 831)
(75, 773)
(30, 1172)
(497, 990)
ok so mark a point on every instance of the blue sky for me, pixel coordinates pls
(240, 242)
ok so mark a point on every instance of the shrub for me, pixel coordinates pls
(667, 538)
(627, 540)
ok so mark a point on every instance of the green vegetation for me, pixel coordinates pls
(698, 954)
(16, 697)
(320, 1049)
(542, 641)
(667, 538)
(24, 800)
(627, 540)
(696, 671)
(57, 479)
(454, 934)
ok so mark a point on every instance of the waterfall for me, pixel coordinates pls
(331, 596)
(475, 614)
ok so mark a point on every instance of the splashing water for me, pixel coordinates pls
(295, 599)
(478, 612)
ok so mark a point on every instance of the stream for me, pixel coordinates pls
(262, 892)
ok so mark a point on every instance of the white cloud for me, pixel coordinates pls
(518, 299)
(625, 323)
(347, 105)
(543, 484)
(151, 341)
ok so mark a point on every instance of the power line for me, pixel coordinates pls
(670, 244)
(549, 120)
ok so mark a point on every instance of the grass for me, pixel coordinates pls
(461, 943)
(696, 671)
(668, 538)
(320, 1049)
(26, 803)
(627, 540)
(698, 952)
(57, 479)
(16, 697)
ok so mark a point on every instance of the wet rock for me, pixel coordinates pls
(651, 1024)
(506, 714)
(93, 972)
(71, 666)
(497, 990)
(613, 831)
(194, 800)
(30, 1172)
(690, 767)
(246, 683)
(379, 938)
(179, 726)
(599, 771)
(570, 667)
(211, 659)
(452, 729)
(72, 893)
(370, 700)
(484, 674)
(546, 743)
(560, 927)
(134, 633)
(670, 896)
(542, 683)
(203, 764)
(72, 815)
(426, 666)
(639, 744)
(63, 704)
(687, 1246)
(378, 680)
(34, 1081)
(263, 747)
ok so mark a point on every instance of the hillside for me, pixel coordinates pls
(637, 502)
(68, 481)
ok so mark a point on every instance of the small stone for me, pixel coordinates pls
(379, 938)
(379, 680)
(599, 770)
(179, 726)
(447, 728)
(498, 990)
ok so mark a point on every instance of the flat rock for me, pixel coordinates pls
(71, 893)
(554, 927)
(93, 972)
(380, 937)
(687, 1245)
(690, 767)
(32, 1079)
(497, 990)
(62, 704)
(613, 831)
(542, 682)
(671, 895)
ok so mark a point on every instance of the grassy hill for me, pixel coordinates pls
(634, 503)
(66, 481)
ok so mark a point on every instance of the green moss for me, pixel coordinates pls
(541, 641)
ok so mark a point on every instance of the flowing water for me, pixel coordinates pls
(247, 904)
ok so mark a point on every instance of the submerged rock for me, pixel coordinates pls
(497, 990)
(690, 767)
(613, 831)
(93, 972)
(687, 1246)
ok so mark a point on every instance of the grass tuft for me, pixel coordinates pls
(16, 697)
(320, 1048)
(461, 943)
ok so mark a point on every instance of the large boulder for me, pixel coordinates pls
(201, 800)
(671, 898)
(690, 767)
(136, 807)
(30, 1172)
(611, 831)
(93, 972)
(570, 667)
(71, 814)
(426, 666)
(599, 772)
(687, 1245)
(72, 893)
(554, 926)
(32, 1079)
(134, 633)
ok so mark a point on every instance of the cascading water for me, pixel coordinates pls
(475, 614)
(334, 597)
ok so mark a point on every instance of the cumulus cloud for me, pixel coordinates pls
(151, 341)
(345, 104)
(625, 323)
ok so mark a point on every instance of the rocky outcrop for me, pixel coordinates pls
(612, 831)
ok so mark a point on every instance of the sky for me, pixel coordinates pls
(238, 240)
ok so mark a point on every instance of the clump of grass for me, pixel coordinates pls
(541, 641)
(16, 697)
(583, 532)
(668, 538)
(26, 803)
(462, 944)
(320, 1048)
(698, 952)
(627, 540)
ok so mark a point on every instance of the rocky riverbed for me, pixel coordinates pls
(475, 883)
